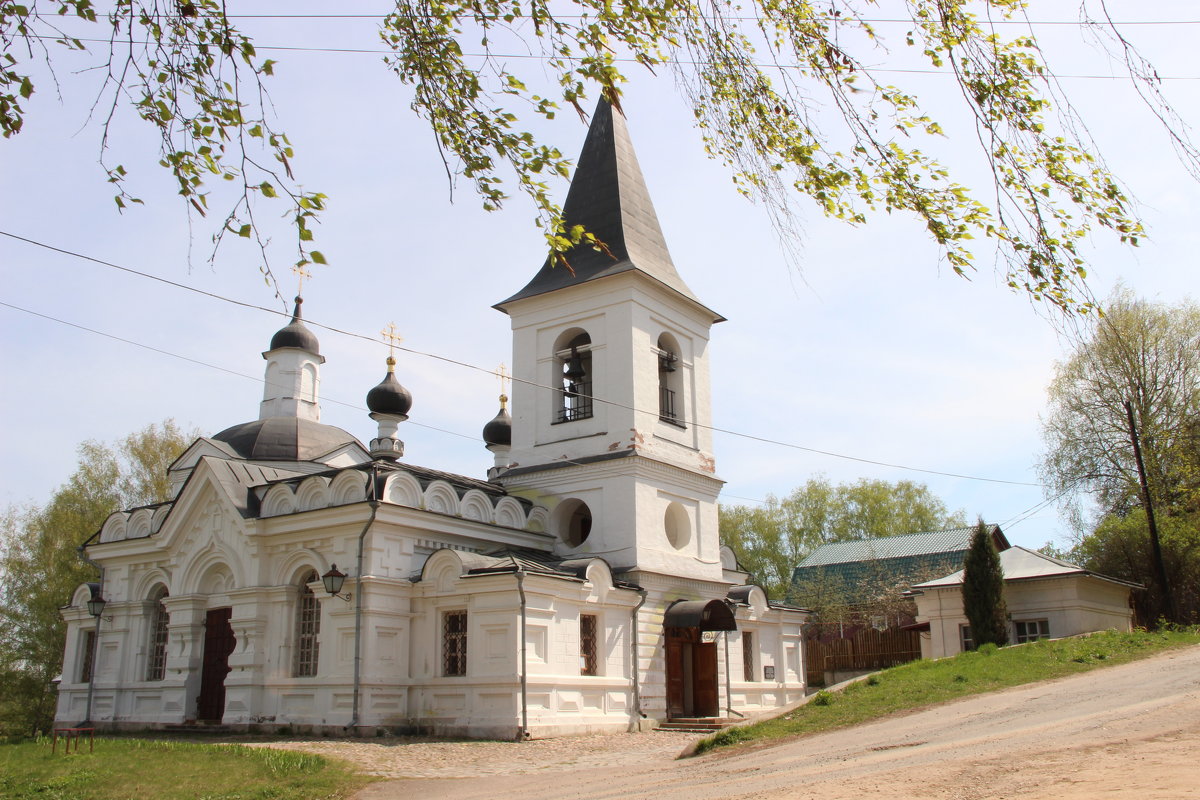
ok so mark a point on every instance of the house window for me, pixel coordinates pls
(308, 627)
(156, 651)
(87, 657)
(574, 365)
(748, 672)
(670, 381)
(454, 643)
(964, 635)
(1032, 629)
(588, 661)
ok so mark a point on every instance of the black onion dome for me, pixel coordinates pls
(389, 397)
(285, 439)
(296, 334)
(499, 430)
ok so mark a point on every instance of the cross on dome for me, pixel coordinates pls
(393, 339)
(301, 273)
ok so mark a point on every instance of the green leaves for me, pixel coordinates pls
(770, 540)
(39, 568)
(784, 92)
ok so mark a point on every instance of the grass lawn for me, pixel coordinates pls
(137, 769)
(923, 683)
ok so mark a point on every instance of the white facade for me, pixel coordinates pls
(1045, 597)
(582, 588)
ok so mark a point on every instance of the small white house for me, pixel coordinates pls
(1047, 598)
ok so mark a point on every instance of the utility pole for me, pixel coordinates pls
(1159, 568)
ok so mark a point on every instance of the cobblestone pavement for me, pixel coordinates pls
(416, 757)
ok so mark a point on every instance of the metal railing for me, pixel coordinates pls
(666, 406)
(576, 402)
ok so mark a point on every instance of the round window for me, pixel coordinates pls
(678, 526)
(574, 522)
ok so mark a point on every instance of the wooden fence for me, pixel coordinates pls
(864, 650)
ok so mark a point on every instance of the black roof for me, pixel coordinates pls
(389, 397)
(296, 334)
(499, 430)
(608, 196)
(284, 439)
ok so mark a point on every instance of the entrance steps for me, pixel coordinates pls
(695, 724)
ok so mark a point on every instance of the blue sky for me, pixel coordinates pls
(872, 349)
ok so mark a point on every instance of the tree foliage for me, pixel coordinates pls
(40, 566)
(1146, 355)
(1119, 546)
(788, 95)
(983, 590)
(772, 539)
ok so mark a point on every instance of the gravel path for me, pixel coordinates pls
(1131, 731)
(415, 757)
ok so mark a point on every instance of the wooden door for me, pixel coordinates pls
(218, 644)
(705, 695)
(676, 648)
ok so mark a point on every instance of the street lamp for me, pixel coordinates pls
(333, 580)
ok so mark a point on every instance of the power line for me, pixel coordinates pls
(740, 18)
(682, 62)
(1012, 522)
(210, 365)
(485, 370)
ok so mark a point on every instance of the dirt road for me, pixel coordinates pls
(1131, 731)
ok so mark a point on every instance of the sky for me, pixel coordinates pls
(868, 359)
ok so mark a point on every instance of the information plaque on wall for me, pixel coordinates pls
(769, 672)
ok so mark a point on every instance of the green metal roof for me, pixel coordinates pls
(856, 569)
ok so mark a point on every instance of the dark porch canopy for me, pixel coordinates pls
(706, 615)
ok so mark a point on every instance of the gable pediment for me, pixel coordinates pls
(203, 517)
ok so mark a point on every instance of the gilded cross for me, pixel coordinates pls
(393, 339)
(301, 273)
(502, 374)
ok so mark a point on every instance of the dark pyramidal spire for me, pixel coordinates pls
(608, 196)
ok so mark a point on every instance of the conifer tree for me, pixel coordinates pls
(983, 590)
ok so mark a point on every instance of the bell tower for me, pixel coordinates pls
(611, 400)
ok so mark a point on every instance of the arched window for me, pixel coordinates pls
(670, 381)
(573, 364)
(308, 628)
(156, 652)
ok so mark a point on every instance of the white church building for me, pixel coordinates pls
(579, 586)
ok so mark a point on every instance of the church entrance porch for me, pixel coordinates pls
(219, 642)
(691, 674)
(693, 687)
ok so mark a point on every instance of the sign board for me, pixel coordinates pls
(768, 672)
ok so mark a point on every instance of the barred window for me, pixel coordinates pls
(588, 661)
(156, 652)
(748, 656)
(89, 653)
(454, 643)
(308, 627)
(967, 640)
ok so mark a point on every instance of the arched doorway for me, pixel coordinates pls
(693, 689)
(219, 643)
